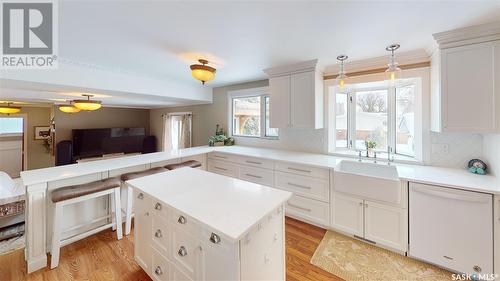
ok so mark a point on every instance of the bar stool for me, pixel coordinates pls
(77, 193)
(189, 163)
(131, 176)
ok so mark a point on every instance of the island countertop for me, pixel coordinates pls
(228, 205)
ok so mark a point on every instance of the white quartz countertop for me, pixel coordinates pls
(449, 177)
(228, 205)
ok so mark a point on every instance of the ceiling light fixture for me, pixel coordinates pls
(393, 72)
(202, 71)
(87, 104)
(341, 77)
(68, 108)
(6, 108)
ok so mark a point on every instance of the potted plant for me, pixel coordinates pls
(370, 147)
(217, 140)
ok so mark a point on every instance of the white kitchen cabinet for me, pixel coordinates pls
(296, 96)
(464, 82)
(347, 214)
(142, 231)
(386, 225)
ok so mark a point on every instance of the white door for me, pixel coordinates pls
(279, 104)
(347, 214)
(386, 225)
(142, 231)
(303, 100)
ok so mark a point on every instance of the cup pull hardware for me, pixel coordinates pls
(182, 251)
(158, 271)
(158, 234)
(182, 220)
(140, 196)
(214, 238)
(158, 206)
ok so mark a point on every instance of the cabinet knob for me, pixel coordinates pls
(182, 220)
(140, 196)
(477, 268)
(158, 206)
(146, 214)
(158, 270)
(158, 234)
(182, 251)
(214, 238)
(360, 203)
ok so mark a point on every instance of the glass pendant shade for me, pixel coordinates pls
(341, 77)
(8, 109)
(202, 71)
(68, 109)
(393, 72)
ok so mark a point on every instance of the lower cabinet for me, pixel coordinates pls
(347, 214)
(142, 231)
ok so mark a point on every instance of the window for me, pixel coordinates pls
(11, 125)
(375, 112)
(250, 114)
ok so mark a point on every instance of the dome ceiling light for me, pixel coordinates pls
(68, 108)
(7, 108)
(88, 105)
(202, 71)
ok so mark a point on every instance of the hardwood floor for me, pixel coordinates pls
(102, 257)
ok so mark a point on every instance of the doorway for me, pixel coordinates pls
(13, 144)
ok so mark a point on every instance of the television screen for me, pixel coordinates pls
(98, 142)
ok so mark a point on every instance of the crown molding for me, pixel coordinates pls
(304, 66)
(468, 35)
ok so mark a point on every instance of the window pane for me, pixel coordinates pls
(341, 120)
(11, 125)
(246, 116)
(270, 132)
(405, 120)
(371, 118)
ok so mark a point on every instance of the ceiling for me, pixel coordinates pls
(160, 39)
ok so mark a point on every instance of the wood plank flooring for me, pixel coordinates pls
(103, 258)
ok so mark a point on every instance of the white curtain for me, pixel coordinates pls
(167, 136)
(177, 131)
(185, 131)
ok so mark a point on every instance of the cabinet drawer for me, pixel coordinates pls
(202, 158)
(308, 209)
(302, 170)
(256, 162)
(166, 162)
(222, 167)
(160, 269)
(257, 175)
(184, 222)
(159, 209)
(308, 187)
(160, 231)
(223, 156)
(141, 201)
(185, 252)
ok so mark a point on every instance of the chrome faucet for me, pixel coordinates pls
(389, 159)
(359, 156)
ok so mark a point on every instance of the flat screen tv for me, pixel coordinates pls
(98, 142)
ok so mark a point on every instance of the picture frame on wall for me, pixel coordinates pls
(42, 132)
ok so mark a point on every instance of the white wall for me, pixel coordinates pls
(491, 153)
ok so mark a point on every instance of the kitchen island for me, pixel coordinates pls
(195, 225)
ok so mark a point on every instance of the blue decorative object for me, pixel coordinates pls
(477, 166)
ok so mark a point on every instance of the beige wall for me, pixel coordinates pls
(38, 157)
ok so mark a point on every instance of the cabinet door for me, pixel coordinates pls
(468, 88)
(142, 231)
(279, 103)
(386, 225)
(303, 100)
(347, 214)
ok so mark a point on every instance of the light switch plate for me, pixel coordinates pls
(440, 148)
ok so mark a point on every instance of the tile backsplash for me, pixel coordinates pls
(455, 149)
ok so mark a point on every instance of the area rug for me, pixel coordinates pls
(353, 260)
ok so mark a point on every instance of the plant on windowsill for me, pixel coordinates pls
(220, 139)
(370, 146)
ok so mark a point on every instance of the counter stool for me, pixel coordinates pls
(77, 193)
(189, 163)
(131, 176)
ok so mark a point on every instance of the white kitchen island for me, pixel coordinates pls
(195, 225)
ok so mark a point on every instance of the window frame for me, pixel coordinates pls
(261, 92)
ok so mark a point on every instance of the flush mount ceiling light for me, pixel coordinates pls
(341, 77)
(6, 108)
(68, 108)
(393, 72)
(202, 71)
(87, 104)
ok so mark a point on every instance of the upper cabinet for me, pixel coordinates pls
(296, 96)
(465, 80)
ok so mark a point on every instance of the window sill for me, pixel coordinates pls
(397, 157)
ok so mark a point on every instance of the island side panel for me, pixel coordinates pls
(496, 234)
(35, 252)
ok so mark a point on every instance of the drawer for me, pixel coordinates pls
(309, 210)
(184, 222)
(160, 269)
(257, 175)
(166, 162)
(186, 252)
(256, 162)
(219, 244)
(222, 167)
(178, 275)
(314, 188)
(159, 209)
(223, 156)
(141, 201)
(303, 170)
(160, 232)
(202, 158)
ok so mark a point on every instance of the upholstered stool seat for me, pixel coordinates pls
(74, 191)
(134, 175)
(189, 163)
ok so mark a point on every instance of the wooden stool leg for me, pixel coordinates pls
(56, 236)
(118, 213)
(128, 212)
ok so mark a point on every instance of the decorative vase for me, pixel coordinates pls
(219, 143)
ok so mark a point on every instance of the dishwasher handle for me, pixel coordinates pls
(473, 197)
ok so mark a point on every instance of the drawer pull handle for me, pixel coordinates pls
(214, 238)
(223, 169)
(299, 207)
(449, 258)
(158, 206)
(182, 251)
(182, 220)
(218, 156)
(253, 176)
(158, 271)
(299, 170)
(158, 234)
(140, 196)
(299, 186)
(253, 162)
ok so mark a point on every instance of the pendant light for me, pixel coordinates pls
(202, 71)
(68, 108)
(341, 77)
(393, 72)
(88, 105)
(6, 108)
